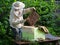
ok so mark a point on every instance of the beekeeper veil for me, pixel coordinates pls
(18, 5)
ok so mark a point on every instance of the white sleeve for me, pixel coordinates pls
(27, 10)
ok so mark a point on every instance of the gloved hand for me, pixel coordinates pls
(33, 8)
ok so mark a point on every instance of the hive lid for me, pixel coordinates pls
(32, 18)
(43, 28)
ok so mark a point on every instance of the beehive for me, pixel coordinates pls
(32, 33)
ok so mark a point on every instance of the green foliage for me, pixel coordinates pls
(2, 31)
(43, 8)
(5, 6)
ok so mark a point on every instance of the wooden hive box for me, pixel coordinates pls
(32, 33)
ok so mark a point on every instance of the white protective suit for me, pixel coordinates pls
(16, 17)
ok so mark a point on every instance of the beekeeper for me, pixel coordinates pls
(16, 18)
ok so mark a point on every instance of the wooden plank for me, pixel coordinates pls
(45, 41)
(48, 40)
(21, 42)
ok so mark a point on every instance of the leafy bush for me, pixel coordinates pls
(43, 8)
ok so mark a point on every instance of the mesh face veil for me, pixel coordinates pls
(18, 5)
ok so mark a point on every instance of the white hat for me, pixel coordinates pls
(18, 5)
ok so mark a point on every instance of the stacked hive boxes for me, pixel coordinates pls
(32, 33)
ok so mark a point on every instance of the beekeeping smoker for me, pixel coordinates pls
(16, 18)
